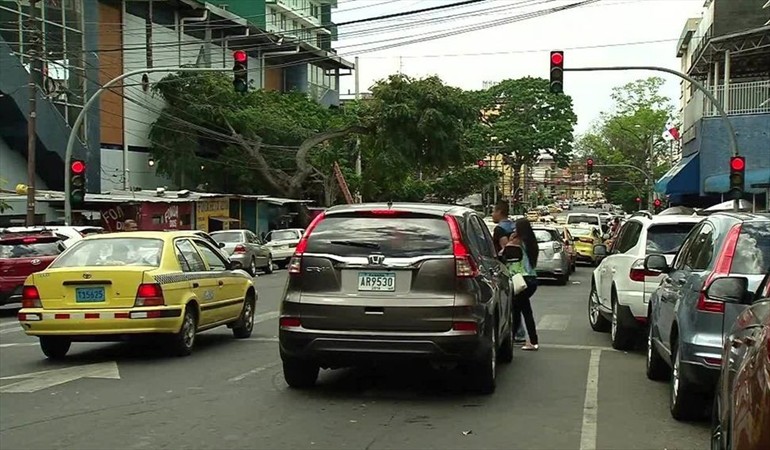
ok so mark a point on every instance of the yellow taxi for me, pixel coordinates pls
(110, 286)
(585, 237)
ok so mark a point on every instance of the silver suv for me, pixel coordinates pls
(372, 282)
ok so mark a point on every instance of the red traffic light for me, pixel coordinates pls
(77, 167)
(481, 163)
(240, 56)
(557, 58)
(737, 163)
(638, 200)
(657, 202)
(590, 162)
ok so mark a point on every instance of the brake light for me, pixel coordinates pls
(29, 240)
(149, 294)
(385, 212)
(465, 326)
(240, 248)
(465, 266)
(302, 245)
(30, 297)
(637, 272)
(722, 267)
(289, 322)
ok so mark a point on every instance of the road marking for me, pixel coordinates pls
(553, 322)
(252, 372)
(590, 407)
(259, 339)
(266, 316)
(37, 381)
(19, 344)
(577, 347)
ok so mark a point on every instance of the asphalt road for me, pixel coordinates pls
(575, 393)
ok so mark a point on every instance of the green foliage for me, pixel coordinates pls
(461, 183)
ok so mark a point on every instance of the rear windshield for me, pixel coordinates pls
(19, 249)
(666, 239)
(282, 235)
(396, 237)
(233, 237)
(546, 235)
(112, 252)
(593, 220)
(580, 231)
(752, 254)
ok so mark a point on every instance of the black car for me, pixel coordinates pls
(376, 282)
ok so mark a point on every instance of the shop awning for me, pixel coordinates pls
(682, 179)
(224, 219)
(756, 181)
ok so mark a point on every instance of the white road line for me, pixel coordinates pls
(259, 339)
(553, 322)
(591, 405)
(9, 324)
(11, 330)
(266, 316)
(577, 347)
(252, 372)
(19, 344)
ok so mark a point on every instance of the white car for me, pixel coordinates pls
(282, 244)
(620, 286)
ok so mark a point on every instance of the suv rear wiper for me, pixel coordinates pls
(364, 244)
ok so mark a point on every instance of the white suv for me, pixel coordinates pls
(620, 287)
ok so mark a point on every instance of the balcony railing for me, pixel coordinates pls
(743, 98)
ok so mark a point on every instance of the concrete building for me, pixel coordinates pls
(727, 50)
(86, 43)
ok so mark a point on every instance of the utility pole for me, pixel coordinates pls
(34, 65)
(651, 186)
(358, 139)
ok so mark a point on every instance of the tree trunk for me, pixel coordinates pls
(304, 169)
(517, 184)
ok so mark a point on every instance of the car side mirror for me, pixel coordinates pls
(235, 265)
(221, 244)
(656, 264)
(600, 250)
(729, 290)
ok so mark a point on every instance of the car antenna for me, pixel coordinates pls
(390, 204)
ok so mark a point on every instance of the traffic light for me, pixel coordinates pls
(77, 183)
(240, 71)
(657, 203)
(590, 166)
(737, 176)
(481, 163)
(557, 72)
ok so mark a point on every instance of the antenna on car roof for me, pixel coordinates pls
(390, 204)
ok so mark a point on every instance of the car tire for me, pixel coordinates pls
(55, 347)
(719, 435)
(484, 371)
(182, 342)
(506, 347)
(685, 403)
(622, 338)
(269, 266)
(245, 323)
(253, 266)
(300, 374)
(595, 318)
(562, 280)
(657, 369)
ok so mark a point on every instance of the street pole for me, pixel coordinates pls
(358, 139)
(34, 64)
(651, 187)
(81, 117)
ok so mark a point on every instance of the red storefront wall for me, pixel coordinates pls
(150, 216)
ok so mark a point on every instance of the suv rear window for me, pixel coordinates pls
(29, 247)
(402, 237)
(752, 254)
(546, 235)
(667, 238)
(573, 218)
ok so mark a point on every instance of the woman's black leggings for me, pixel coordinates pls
(522, 307)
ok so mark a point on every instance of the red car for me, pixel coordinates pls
(22, 254)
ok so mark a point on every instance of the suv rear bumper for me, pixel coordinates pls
(347, 349)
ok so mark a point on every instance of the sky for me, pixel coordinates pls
(608, 32)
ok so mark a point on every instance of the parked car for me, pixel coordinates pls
(620, 287)
(282, 244)
(686, 328)
(375, 282)
(22, 254)
(553, 261)
(246, 248)
(586, 237)
(569, 246)
(740, 415)
(118, 285)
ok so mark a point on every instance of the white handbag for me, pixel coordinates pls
(519, 284)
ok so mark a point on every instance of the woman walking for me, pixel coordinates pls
(524, 237)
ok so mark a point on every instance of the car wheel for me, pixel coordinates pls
(622, 337)
(300, 374)
(245, 323)
(685, 403)
(506, 347)
(182, 343)
(562, 280)
(657, 370)
(55, 347)
(485, 370)
(595, 318)
(269, 266)
(718, 434)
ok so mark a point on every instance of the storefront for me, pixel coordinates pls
(213, 214)
(149, 216)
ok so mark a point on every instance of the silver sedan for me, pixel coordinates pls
(246, 248)
(553, 260)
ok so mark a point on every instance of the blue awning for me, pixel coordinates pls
(682, 179)
(721, 183)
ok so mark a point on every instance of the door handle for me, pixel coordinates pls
(195, 285)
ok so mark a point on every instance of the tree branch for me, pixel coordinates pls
(304, 169)
(279, 186)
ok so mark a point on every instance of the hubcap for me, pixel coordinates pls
(614, 320)
(494, 354)
(253, 266)
(593, 307)
(649, 346)
(248, 316)
(189, 330)
(675, 379)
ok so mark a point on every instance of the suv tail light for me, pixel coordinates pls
(722, 267)
(637, 272)
(465, 266)
(149, 294)
(289, 322)
(240, 248)
(30, 297)
(295, 262)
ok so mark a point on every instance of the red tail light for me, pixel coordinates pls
(586, 240)
(29, 240)
(385, 212)
(638, 273)
(295, 263)
(149, 294)
(722, 268)
(289, 322)
(240, 248)
(30, 297)
(467, 326)
(465, 266)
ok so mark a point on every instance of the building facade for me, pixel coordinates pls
(727, 50)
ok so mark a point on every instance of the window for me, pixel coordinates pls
(232, 237)
(543, 235)
(188, 257)
(629, 237)
(752, 252)
(30, 247)
(684, 251)
(216, 263)
(667, 238)
(112, 252)
(702, 249)
(479, 233)
(282, 235)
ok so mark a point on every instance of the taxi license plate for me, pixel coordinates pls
(89, 295)
(374, 281)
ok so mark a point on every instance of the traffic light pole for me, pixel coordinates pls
(81, 116)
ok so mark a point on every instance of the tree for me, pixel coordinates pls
(461, 183)
(524, 118)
